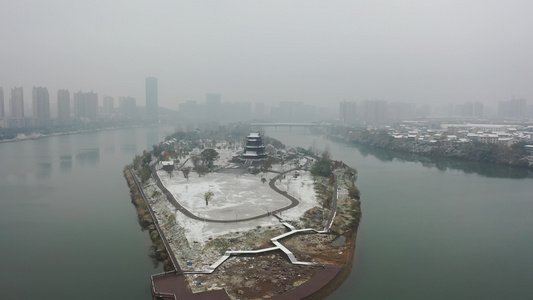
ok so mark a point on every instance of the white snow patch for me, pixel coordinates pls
(237, 195)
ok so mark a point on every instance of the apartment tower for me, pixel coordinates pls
(16, 103)
(41, 105)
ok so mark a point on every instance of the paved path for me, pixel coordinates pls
(186, 212)
(156, 223)
(173, 284)
(333, 204)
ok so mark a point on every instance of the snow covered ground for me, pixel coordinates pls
(302, 189)
(237, 195)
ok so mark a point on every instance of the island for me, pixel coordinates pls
(235, 215)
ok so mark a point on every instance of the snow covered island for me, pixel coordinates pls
(283, 226)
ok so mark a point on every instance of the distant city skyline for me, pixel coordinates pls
(308, 51)
(87, 107)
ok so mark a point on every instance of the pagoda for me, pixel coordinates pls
(254, 148)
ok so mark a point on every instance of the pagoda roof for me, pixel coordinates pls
(254, 135)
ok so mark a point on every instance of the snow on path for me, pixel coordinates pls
(237, 195)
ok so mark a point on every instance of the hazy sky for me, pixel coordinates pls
(315, 51)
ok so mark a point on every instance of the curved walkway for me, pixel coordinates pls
(307, 289)
(186, 212)
(156, 223)
(275, 240)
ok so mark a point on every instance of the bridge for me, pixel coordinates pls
(282, 124)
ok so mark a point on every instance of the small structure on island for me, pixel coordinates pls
(254, 149)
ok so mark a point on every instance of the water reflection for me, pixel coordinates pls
(91, 156)
(65, 162)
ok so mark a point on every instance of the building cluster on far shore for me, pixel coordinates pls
(81, 107)
(505, 134)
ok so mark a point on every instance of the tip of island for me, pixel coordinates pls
(235, 215)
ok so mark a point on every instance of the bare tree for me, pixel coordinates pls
(208, 196)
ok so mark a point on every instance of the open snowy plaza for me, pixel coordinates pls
(237, 195)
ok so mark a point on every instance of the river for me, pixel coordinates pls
(431, 229)
(435, 229)
(67, 227)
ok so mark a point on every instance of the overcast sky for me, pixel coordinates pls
(320, 52)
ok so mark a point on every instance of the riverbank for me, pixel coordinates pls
(146, 221)
(514, 155)
(38, 135)
(278, 278)
(342, 275)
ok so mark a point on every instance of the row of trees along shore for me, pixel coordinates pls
(513, 155)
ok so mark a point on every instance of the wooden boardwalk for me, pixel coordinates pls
(172, 285)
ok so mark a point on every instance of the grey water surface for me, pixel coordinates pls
(431, 229)
(67, 227)
(435, 229)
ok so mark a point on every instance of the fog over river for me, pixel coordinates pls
(431, 229)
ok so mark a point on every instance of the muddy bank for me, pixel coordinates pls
(349, 258)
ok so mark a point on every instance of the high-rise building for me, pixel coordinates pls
(375, 112)
(17, 103)
(348, 112)
(127, 107)
(2, 112)
(41, 105)
(63, 106)
(152, 106)
(515, 108)
(85, 105)
(108, 105)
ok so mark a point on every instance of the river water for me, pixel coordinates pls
(431, 229)
(435, 229)
(67, 227)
